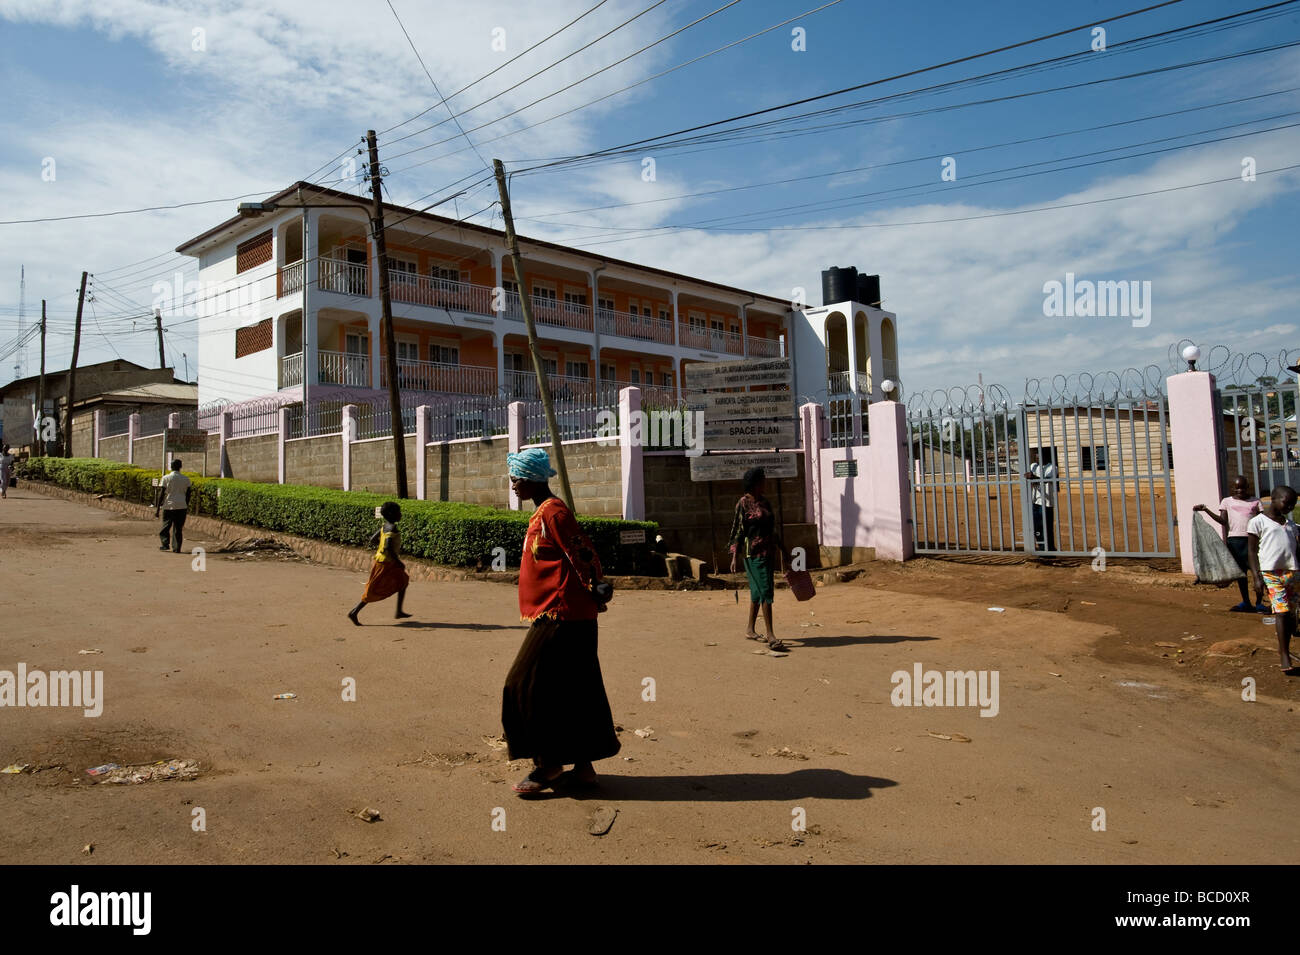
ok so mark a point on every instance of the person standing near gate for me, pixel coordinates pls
(754, 526)
(173, 498)
(1043, 498)
(1234, 516)
(1272, 537)
(6, 470)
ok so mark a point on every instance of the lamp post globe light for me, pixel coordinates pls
(1191, 355)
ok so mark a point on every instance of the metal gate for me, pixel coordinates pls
(1081, 466)
(1256, 401)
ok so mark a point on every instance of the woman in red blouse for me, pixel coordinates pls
(554, 709)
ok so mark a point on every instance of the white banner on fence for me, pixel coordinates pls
(735, 405)
(737, 374)
(732, 467)
(723, 435)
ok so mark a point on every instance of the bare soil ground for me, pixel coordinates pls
(1095, 712)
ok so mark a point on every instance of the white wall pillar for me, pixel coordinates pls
(891, 497)
(421, 452)
(97, 426)
(1195, 441)
(349, 432)
(225, 426)
(311, 275)
(631, 456)
(132, 432)
(812, 432)
(514, 441)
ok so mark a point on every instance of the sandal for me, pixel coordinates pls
(777, 645)
(756, 636)
(535, 782)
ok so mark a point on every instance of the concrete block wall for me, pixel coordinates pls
(472, 470)
(595, 474)
(254, 458)
(149, 454)
(681, 506)
(114, 448)
(372, 466)
(317, 462)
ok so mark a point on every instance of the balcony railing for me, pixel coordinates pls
(291, 370)
(629, 325)
(347, 278)
(439, 293)
(442, 377)
(289, 279)
(522, 385)
(711, 339)
(340, 368)
(840, 383)
(764, 347)
(547, 311)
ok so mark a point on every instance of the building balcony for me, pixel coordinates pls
(333, 368)
(332, 275)
(712, 340)
(439, 293)
(627, 325)
(441, 377)
(522, 386)
(842, 383)
(547, 311)
(764, 347)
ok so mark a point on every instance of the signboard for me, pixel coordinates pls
(725, 435)
(733, 406)
(844, 469)
(738, 374)
(632, 537)
(193, 440)
(732, 467)
(17, 421)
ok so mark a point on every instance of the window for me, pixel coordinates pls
(608, 372)
(667, 381)
(1169, 455)
(576, 369)
(635, 376)
(510, 286)
(1092, 458)
(408, 350)
(646, 313)
(548, 365)
(442, 275)
(402, 271)
(605, 303)
(254, 252)
(514, 361)
(696, 320)
(450, 354)
(576, 298)
(546, 294)
(665, 315)
(253, 338)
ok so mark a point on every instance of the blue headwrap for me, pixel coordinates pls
(533, 464)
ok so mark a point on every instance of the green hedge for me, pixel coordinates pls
(445, 532)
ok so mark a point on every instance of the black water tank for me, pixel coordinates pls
(839, 285)
(869, 290)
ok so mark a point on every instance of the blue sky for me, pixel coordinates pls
(133, 115)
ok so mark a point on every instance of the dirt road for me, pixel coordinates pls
(1092, 714)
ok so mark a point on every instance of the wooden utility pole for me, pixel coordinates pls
(385, 303)
(543, 386)
(40, 392)
(72, 372)
(157, 318)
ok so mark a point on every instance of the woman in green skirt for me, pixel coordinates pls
(754, 526)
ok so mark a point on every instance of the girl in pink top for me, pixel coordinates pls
(1234, 514)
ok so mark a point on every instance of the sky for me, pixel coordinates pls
(1122, 156)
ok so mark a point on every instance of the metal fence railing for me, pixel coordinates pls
(153, 421)
(116, 422)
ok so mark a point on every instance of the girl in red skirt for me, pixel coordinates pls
(387, 574)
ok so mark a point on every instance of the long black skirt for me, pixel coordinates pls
(554, 708)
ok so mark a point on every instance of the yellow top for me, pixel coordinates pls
(383, 543)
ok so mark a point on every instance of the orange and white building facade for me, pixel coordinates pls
(457, 317)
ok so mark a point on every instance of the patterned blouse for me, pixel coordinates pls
(558, 568)
(755, 524)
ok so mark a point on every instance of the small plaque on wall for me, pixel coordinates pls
(845, 469)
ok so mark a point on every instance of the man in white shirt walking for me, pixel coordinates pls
(173, 497)
(1043, 497)
(1272, 538)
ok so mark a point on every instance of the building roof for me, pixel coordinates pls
(58, 372)
(158, 393)
(237, 224)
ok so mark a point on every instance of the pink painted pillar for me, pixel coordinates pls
(421, 451)
(891, 499)
(225, 428)
(1194, 437)
(280, 467)
(349, 432)
(515, 439)
(132, 432)
(98, 424)
(812, 431)
(631, 455)
(970, 475)
(174, 419)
